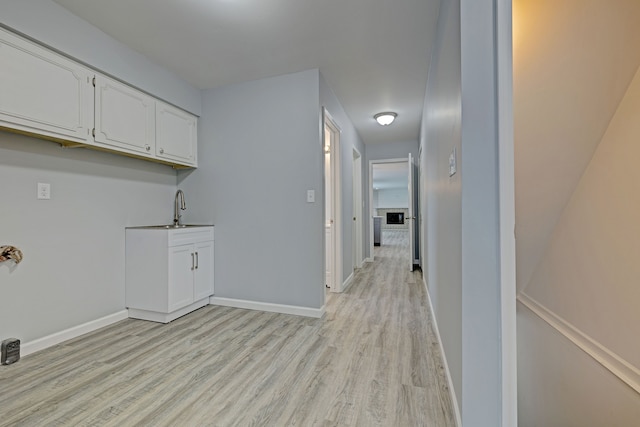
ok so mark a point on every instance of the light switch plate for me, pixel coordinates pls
(311, 196)
(44, 191)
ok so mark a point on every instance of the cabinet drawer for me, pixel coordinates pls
(190, 235)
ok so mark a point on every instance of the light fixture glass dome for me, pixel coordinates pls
(385, 119)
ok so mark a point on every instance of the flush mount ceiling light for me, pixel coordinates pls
(385, 119)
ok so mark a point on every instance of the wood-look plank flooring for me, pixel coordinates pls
(373, 360)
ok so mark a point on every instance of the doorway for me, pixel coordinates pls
(332, 203)
(392, 203)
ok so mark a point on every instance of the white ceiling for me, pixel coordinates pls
(374, 54)
(388, 176)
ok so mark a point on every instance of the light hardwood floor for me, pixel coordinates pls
(373, 360)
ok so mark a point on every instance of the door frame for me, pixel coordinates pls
(336, 197)
(357, 248)
(412, 212)
(370, 210)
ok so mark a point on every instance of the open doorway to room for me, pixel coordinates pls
(392, 205)
(332, 204)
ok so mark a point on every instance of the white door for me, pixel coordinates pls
(328, 209)
(182, 264)
(333, 195)
(203, 280)
(124, 117)
(357, 209)
(411, 219)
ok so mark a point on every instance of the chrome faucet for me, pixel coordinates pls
(183, 206)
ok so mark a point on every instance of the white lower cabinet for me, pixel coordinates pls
(169, 272)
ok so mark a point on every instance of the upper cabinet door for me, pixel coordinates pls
(124, 117)
(176, 134)
(42, 92)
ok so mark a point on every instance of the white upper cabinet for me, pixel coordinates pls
(49, 95)
(124, 117)
(176, 134)
(42, 92)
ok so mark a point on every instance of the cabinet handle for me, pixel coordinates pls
(162, 151)
(197, 262)
(147, 147)
(193, 262)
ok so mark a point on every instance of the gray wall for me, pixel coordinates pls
(73, 271)
(460, 213)
(73, 244)
(259, 153)
(349, 139)
(51, 24)
(392, 150)
(481, 286)
(441, 195)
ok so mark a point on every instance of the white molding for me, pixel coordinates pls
(615, 364)
(507, 215)
(336, 195)
(347, 283)
(452, 393)
(270, 307)
(154, 316)
(370, 259)
(73, 332)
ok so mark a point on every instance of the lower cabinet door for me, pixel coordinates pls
(181, 271)
(203, 284)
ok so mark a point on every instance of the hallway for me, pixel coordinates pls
(372, 360)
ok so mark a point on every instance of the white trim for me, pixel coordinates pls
(507, 216)
(607, 358)
(370, 259)
(154, 316)
(270, 307)
(73, 332)
(336, 195)
(347, 283)
(452, 394)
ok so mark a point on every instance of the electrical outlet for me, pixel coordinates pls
(10, 351)
(44, 191)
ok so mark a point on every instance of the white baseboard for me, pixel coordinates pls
(452, 393)
(154, 316)
(67, 334)
(347, 282)
(370, 259)
(618, 366)
(270, 307)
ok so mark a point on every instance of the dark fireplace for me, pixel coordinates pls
(395, 217)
